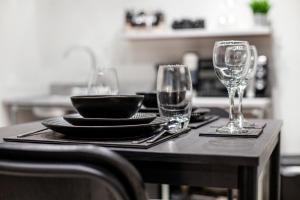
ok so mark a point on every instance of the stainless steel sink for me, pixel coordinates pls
(68, 89)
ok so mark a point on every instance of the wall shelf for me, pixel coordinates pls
(261, 103)
(183, 34)
(64, 101)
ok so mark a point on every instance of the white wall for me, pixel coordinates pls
(286, 40)
(35, 33)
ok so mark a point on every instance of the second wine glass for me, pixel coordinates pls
(242, 86)
(103, 81)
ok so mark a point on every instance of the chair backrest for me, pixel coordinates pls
(34, 165)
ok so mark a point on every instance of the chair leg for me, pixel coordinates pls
(229, 194)
(165, 191)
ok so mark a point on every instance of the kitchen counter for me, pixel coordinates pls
(223, 102)
(45, 106)
(64, 101)
(24, 109)
(39, 101)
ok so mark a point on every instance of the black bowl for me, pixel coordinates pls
(150, 99)
(107, 106)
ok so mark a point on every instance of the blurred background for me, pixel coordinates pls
(48, 48)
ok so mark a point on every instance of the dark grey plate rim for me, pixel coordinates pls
(105, 96)
(147, 116)
(155, 122)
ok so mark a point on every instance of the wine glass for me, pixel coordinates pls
(242, 86)
(230, 60)
(174, 95)
(103, 81)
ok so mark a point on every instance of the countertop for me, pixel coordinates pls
(64, 101)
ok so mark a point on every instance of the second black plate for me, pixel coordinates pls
(139, 118)
(58, 124)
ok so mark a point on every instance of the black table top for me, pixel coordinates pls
(192, 148)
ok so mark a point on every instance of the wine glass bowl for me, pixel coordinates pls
(253, 63)
(230, 61)
(103, 81)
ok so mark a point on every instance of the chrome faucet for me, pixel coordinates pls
(86, 49)
(93, 61)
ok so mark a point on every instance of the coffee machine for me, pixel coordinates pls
(209, 85)
(261, 77)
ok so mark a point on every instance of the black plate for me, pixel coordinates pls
(58, 124)
(198, 110)
(139, 118)
(149, 110)
(150, 99)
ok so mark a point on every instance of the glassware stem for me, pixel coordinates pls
(231, 93)
(242, 123)
(231, 127)
(240, 117)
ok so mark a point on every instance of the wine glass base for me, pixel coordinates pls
(178, 123)
(231, 128)
(248, 124)
(242, 123)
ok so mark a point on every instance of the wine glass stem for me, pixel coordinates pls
(231, 93)
(241, 94)
(241, 90)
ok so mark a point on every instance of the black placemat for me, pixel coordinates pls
(258, 125)
(252, 133)
(50, 137)
(207, 119)
(211, 130)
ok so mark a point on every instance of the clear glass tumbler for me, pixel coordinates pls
(174, 95)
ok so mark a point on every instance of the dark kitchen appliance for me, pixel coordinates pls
(208, 83)
(210, 86)
(191, 60)
(188, 24)
(261, 77)
(142, 18)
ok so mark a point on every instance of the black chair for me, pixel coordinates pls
(40, 171)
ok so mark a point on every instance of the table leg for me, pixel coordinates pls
(247, 183)
(274, 193)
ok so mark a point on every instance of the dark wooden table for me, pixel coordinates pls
(204, 161)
